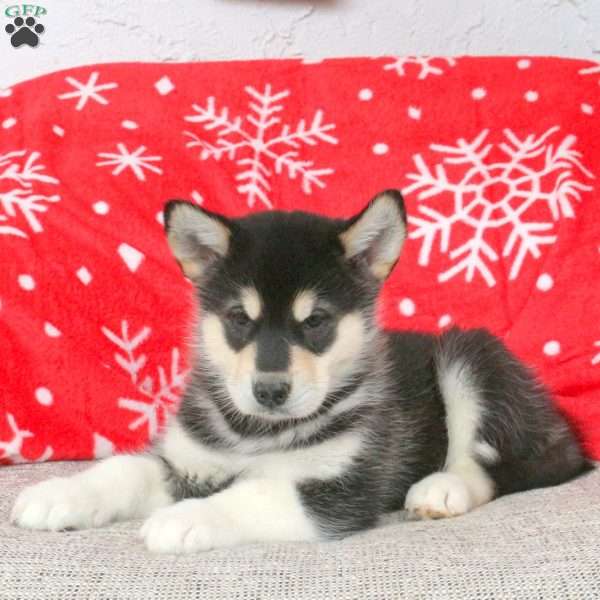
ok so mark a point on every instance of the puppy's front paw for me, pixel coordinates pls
(189, 526)
(58, 504)
(439, 495)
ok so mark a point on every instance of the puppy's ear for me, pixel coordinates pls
(377, 234)
(197, 237)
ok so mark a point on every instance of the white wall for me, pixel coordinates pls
(79, 32)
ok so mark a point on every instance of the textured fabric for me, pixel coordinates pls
(499, 160)
(536, 545)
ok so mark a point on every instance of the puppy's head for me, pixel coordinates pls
(287, 298)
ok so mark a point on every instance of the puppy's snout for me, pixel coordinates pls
(271, 391)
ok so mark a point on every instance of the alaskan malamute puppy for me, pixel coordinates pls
(302, 420)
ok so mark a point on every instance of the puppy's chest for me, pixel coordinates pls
(196, 470)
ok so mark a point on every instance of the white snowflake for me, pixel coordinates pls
(427, 65)
(18, 175)
(593, 70)
(11, 450)
(87, 91)
(484, 187)
(134, 160)
(162, 392)
(260, 144)
(596, 358)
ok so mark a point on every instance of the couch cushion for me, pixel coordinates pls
(538, 544)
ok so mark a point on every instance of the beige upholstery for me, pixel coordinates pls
(543, 544)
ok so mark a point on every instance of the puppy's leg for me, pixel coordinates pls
(464, 483)
(254, 510)
(504, 433)
(118, 488)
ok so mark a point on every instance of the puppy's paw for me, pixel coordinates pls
(439, 495)
(58, 504)
(193, 525)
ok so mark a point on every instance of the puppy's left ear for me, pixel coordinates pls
(377, 233)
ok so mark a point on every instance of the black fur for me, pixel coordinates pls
(181, 486)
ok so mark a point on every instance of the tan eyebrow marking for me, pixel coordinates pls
(251, 303)
(303, 305)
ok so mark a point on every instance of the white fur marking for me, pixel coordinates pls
(464, 484)
(118, 488)
(487, 453)
(326, 460)
(439, 495)
(259, 510)
(463, 417)
(463, 412)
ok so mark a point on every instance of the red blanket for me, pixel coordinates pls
(499, 160)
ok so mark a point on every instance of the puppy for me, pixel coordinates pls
(302, 420)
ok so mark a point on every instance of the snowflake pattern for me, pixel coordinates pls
(596, 358)
(427, 65)
(162, 393)
(260, 144)
(19, 173)
(87, 91)
(493, 187)
(593, 70)
(135, 160)
(11, 451)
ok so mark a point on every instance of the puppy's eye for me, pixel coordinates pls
(315, 321)
(239, 318)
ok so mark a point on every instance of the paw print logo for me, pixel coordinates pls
(24, 31)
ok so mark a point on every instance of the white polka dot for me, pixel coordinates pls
(414, 112)
(444, 321)
(26, 282)
(164, 86)
(523, 63)
(101, 207)
(127, 124)
(59, 131)
(51, 331)
(544, 282)
(8, 123)
(84, 275)
(160, 217)
(44, 396)
(365, 94)
(551, 348)
(531, 96)
(478, 93)
(406, 307)
(5, 92)
(587, 109)
(380, 148)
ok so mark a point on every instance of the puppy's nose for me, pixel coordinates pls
(271, 392)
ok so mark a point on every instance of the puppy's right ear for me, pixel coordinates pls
(197, 237)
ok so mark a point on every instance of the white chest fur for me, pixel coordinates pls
(326, 460)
